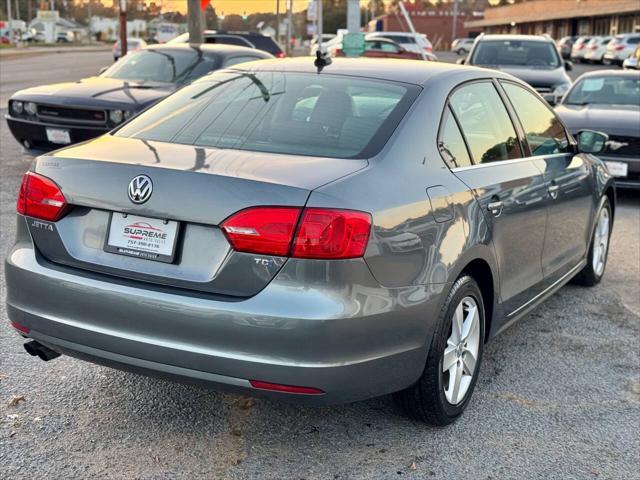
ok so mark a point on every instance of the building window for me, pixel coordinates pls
(625, 24)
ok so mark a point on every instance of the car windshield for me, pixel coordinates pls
(516, 53)
(276, 112)
(605, 90)
(155, 65)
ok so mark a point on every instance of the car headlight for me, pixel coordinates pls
(128, 114)
(31, 108)
(560, 90)
(17, 107)
(116, 116)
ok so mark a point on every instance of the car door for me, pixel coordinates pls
(508, 187)
(567, 177)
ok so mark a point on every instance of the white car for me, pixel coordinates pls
(579, 48)
(621, 47)
(633, 62)
(410, 42)
(596, 48)
(462, 46)
(326, 38)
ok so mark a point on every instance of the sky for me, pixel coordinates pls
(234, 6)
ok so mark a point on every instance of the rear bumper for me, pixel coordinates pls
(35, 133)
(351, 340)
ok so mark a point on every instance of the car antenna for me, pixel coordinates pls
(322, 60)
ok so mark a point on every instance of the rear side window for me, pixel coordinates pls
(544, 132)
(228, 41)
(292, 113)
(485, 123)
(633, 40)
(265, 43)
(451, 144)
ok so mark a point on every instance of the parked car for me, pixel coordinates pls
(462, 46)
(633, 62)
(44, 118)
(133, 45)
(564, 46)
(620, 47)
(609, 101)
(65, 36)
(579, 48)
(534, 59)
(596, 48)
(410, 42)
(248, 231)
(313, 45)
(243, 39)
(378, 47)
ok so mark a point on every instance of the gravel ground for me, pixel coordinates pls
(558, 397)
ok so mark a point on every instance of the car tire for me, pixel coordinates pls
(433, 398)
(460, 51)
(593, 271)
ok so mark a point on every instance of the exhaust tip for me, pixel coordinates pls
(36, 349)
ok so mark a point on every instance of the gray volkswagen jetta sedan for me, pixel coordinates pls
(316, 234)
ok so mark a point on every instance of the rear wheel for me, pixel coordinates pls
(445, 387)
(593, 271)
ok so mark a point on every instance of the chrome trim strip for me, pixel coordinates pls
(508, 162)
(546, 290)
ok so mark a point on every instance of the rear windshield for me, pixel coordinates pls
(609, 90)
(400, 38)
(265, 43)
(292, 113)
(516, 53)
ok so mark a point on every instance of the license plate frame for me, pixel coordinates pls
(134, 247)
(59, 136)
(617, 169)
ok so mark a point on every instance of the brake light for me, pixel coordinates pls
(277, 387)
(322, 233)
(328, 233)
(429, 48)
(594, 47)
(581, 46)
(619, 47)
(280, 55)
(40, 197)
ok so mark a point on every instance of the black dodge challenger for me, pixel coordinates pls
(48, 117)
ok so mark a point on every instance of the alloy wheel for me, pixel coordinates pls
(601, 242)
(461, 353)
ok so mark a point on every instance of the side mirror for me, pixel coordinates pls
(102, 70)
(568, 66)
(461, 61)
(590, 141)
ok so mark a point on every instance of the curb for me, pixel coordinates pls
(27, 52)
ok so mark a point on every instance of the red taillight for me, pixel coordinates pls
(581, 46)
(322, 233)
(19, 327)
(266, 230)
(280, 55)
(328, 233)
(594, 47)
(619, 47)
(429, 48)
(40, 197)
(276, 387)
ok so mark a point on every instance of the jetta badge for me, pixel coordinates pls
(140, 189)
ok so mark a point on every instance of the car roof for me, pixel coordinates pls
(529, 38)
(220, 48)
(395, 70)
(404, 34)
(611, 73)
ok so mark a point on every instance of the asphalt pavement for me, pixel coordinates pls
(558, 395)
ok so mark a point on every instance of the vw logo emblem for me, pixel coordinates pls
(140, 189)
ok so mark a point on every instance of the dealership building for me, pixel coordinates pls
(560, 18)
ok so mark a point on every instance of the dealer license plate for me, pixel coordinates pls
(142, 237)
(618, 169)
(56, 135)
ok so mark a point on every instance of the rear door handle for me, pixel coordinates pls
(496, 207)
(553, 191)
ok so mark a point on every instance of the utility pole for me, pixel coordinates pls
(455, 21)
(123, 28)
(319, 20)
(9, 21)
(90, 16)
(17, 10)
(289, 32)
(194, 15)
(353, 16)
(278, 21)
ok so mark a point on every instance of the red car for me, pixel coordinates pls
(385, 48)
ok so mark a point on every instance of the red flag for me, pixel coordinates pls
(204, 4)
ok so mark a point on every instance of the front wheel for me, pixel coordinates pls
(593, 271)
(443, 391)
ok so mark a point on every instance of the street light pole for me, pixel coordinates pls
(194, 21)
(288, 49)
(278, 21)
(455, 21)
(123, 28)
